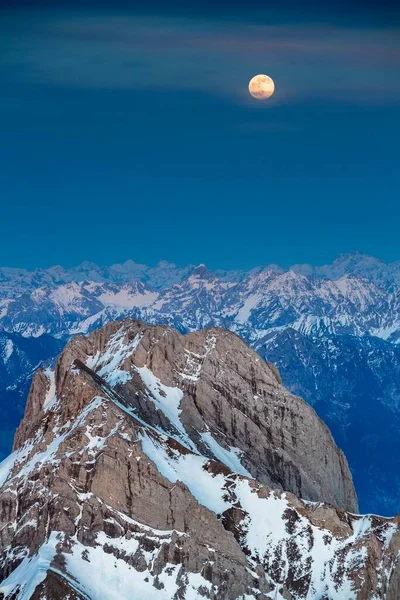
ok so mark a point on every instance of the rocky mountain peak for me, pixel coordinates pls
(201, 272)
(164, 465)
(210, 388)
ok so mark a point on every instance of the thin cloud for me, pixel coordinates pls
(130, 52)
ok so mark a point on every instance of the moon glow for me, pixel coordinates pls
(261, 87)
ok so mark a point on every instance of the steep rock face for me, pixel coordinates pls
(353, 384)
(210, 386)
(124, 481)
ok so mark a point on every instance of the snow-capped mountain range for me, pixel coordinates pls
(165, 274)
(333, 332)
(252, 306)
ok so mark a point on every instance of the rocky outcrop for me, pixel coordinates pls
(226, 393)
(168, 466)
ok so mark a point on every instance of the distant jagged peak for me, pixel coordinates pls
(202, 272)
(86, 265)
(291, 276)
(197, 277)
(261, 276)
(357, 264)
(165, 273)
(166, 264)
(358, 281)
(129, 266)
(272, 280)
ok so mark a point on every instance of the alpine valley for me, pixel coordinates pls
(333, 332)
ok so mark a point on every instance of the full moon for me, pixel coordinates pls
(261, 87)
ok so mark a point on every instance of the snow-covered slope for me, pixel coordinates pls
(121, 484)
(346, 315)
(252, 306)
(19, 357)
(358, 264)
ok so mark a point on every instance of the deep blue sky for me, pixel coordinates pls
(130, 133)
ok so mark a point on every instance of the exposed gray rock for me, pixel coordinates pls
(227, 390)
(128, 477)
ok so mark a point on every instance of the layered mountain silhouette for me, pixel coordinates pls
(332, 332)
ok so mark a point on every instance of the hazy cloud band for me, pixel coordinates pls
(114, 51)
